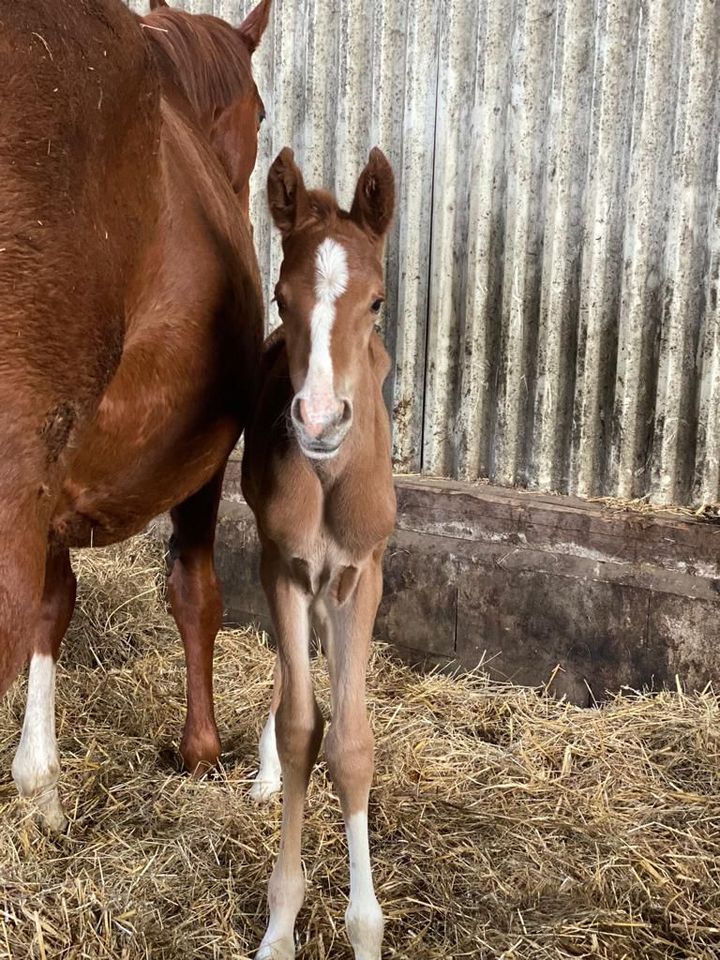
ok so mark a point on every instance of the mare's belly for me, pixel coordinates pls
(110, 497)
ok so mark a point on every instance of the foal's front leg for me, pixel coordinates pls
(299, 728)
(349, 748)
(36, 767)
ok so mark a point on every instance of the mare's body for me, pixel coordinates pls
(180, 366)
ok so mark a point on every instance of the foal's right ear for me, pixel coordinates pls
(155, 4)
(287, 196)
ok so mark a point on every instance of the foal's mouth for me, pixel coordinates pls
(318, 450)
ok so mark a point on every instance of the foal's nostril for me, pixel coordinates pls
(321, 420)
(346, 415)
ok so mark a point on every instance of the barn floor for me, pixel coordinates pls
(504, 824)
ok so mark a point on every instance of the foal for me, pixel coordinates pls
(317, 474)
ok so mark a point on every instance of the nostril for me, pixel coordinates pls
(296, 409)
(346, 415)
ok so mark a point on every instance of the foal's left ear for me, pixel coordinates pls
(372, 208)
(254, 25)
(155, 4)
(287, 196)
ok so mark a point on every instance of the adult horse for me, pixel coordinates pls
(130, 320)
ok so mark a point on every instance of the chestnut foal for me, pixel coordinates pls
(317, 474)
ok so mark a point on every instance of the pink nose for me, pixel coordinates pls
(317, 415)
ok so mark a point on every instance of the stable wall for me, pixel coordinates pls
(552, 305)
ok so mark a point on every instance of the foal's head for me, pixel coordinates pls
(329, 294)
(210, 61)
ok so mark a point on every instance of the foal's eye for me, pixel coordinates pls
(280, 302)
(376, 305)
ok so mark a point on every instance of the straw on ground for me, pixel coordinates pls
(504, 824)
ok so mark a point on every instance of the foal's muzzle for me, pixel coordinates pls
(320, 431)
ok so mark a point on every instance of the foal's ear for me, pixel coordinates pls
(254, 25)
(287, 196)
(374, 202)
(155, 4)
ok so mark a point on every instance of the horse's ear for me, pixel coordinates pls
(254, 25)
(287, 197)
(374, 202)
(155, 4)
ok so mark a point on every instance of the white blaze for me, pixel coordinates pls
(331, 277)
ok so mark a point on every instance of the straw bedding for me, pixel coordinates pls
(503, 824)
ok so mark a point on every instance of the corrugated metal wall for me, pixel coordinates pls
(553, 272)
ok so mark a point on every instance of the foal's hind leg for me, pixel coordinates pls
(268, 780)
(196, 603)
(36, 766)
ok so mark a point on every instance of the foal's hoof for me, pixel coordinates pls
(51, 811)
(282, 949)
(262, 791)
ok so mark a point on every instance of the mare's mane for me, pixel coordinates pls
(209, 58)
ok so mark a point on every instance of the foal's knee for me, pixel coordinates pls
(350, 756)
(299, 735)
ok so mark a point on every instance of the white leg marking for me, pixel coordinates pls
(363, 917)
(285, 897)
(36, 766)
(286, 892)
(320, 404)
(267, 782)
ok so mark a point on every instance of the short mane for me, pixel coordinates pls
(324, 208)
(208, 57)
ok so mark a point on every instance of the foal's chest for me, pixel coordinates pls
(321, 531)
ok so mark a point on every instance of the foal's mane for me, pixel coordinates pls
(324, 210)
(209, 58)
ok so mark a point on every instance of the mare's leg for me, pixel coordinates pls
(36, 766)
(349, 749)
(196, 604)
(268, 780)
(299, 727)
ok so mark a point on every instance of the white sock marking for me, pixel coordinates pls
(363, 917)
(267, 781)
(331, 277)
(36, 766)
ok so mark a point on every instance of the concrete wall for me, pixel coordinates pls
(536, 589)
(553, 272)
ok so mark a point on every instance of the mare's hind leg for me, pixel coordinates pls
(36, 766)
(196, 603)
(268, 780)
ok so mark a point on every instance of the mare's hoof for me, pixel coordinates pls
(200, 756)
